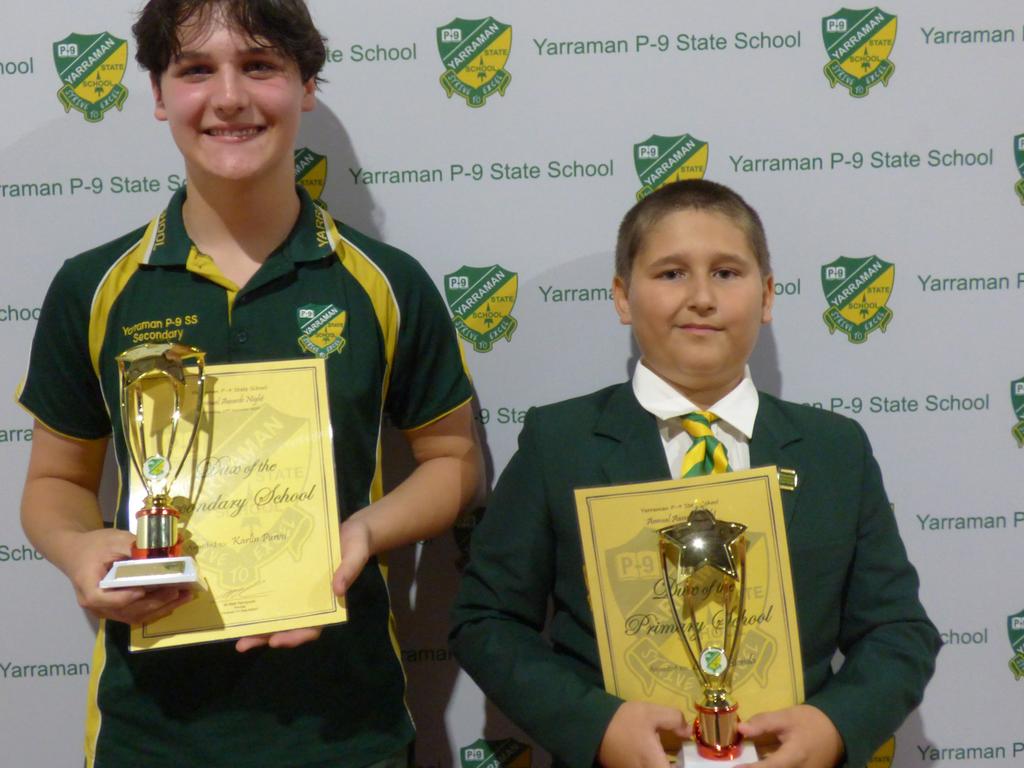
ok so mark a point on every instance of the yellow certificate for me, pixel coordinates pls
(642, 654)
(259, 505)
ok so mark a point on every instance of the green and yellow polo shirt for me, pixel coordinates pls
(375, 316)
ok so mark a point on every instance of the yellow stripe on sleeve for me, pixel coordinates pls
(385, 306)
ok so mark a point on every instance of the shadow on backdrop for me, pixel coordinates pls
(323, 132)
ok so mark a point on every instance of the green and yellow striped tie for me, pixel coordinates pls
(707, 456)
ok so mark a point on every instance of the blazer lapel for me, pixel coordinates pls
(773, 434)
(638, 456)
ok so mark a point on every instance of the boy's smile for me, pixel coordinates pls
(233, 107)
(696, 299)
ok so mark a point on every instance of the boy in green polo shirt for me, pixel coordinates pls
(693, 280)
(229, 266)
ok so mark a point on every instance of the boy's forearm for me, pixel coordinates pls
(880, 683)
(59, 500)
(888, 642)
(424, 505)
(447, 477)
(54, 512)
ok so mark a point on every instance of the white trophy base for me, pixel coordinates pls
(153, 572)
(690, 758)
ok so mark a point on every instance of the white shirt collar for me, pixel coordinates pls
(657, 396)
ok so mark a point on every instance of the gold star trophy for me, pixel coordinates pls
(152, 394)
(703, 562)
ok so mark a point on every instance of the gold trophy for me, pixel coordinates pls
(157, 370)
(703, 561)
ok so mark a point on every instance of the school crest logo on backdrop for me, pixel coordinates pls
(91, 68)
(663, 159)
(322, 326)
(857, 291)
(481, 300)
(311, 172)
(474, 53)
(496, 753)
(1017, 400)
(858, 44)
(1015, 628)
(1018, 156)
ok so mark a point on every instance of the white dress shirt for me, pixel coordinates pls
(735, 425)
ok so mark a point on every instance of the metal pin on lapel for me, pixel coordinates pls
(788, 479)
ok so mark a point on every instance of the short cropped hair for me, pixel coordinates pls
(284, 25)
(690, 194)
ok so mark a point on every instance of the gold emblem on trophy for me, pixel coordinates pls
(703, 562)
(153, 386)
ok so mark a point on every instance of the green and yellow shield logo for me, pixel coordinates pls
(1018, 155)
(858, 44)
(857, 291)
(474, 53)
(481, 300)
(91, 68)
(1017, 400)
(663, 159)
(322, 326)
(496, 753)
(1015, 628)
(311, 172)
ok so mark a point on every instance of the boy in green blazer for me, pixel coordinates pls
(694, 281)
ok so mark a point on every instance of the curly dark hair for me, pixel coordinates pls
(284, 25)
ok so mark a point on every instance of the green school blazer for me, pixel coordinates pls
(856, 592)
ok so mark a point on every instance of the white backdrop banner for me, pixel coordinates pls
(884, 144)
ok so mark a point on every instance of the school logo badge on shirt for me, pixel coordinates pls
(1015, 628)
(311, 172)
(1017, 400)
(857, 291)
(663, 159)
(481, 300)
(322, 326)
(1018, 155)
(474, 53)
(91, 68)
(858, 44)
(496, 753)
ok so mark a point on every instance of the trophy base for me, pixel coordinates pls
(691, 758)
(153, 572)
